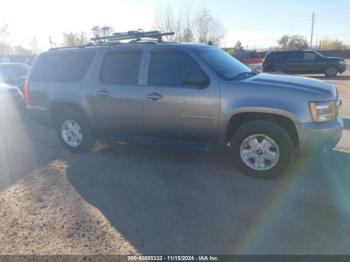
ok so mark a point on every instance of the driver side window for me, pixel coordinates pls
(169, 68)
(309, 56)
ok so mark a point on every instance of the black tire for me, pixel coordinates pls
(273, 131)
(331, 71)
(86, 132)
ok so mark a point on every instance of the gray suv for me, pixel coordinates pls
(187, 95)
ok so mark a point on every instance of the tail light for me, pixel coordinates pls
(26, 94)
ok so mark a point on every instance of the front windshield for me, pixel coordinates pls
(320, 54)
(222, 63)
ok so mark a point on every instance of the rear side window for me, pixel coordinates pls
(275, 57)
(61, 67)
(168, 68)
(121, 68)
(295, 55)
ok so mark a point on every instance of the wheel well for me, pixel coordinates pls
(59, 108)
(240, 119)
(332, 65)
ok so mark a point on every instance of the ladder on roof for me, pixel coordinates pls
(132, 35)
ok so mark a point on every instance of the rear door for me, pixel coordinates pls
(294, 62)
(117, 94)
(174, 110)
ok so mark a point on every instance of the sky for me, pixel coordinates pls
(257, 24)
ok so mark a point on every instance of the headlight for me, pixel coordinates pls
(342, 62)
(324, 111)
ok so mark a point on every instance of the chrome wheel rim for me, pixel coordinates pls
(71, 133)
(259, 152)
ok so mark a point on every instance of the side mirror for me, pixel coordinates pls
(195, 77)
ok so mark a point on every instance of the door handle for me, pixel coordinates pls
(154, 96)
(103, 92)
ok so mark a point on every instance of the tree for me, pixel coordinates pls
(20, 50)
(8, 49)
(180, 23)
(207, 27)
(100, 31)
(73, 39)
(188, 26)
(5, 48)
(326, 43)
(52, 43)
(34, 45)
(293, 42)
(3, 32)
(238, 47)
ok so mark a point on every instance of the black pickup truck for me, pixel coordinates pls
(303, 62)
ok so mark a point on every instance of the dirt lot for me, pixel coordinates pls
(122, 199)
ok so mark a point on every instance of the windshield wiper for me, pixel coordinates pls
(245, 74)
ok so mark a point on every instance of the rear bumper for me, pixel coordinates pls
(38, 114)
(317, 137)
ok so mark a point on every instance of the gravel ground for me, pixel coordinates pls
(124, 199)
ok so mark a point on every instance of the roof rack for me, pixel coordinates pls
(132, 35)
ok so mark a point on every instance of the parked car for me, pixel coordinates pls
(11, 98)
(188, 95)
(302, 62)
(14, 73)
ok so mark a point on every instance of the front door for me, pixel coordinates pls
(174, 110)
(313, 63)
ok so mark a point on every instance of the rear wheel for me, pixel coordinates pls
(331, 71)
(74, 132)
(262, 149)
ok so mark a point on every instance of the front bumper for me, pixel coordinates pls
(342, 68)
(317, 137)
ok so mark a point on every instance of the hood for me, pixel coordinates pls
(334, 58)
(292, 82)
(6, 89)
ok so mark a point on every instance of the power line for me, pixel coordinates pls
(279, 25)
(289, 17)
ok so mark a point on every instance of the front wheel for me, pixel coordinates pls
(331, 71)
(262, 149)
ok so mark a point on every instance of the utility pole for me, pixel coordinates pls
(312, 29)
